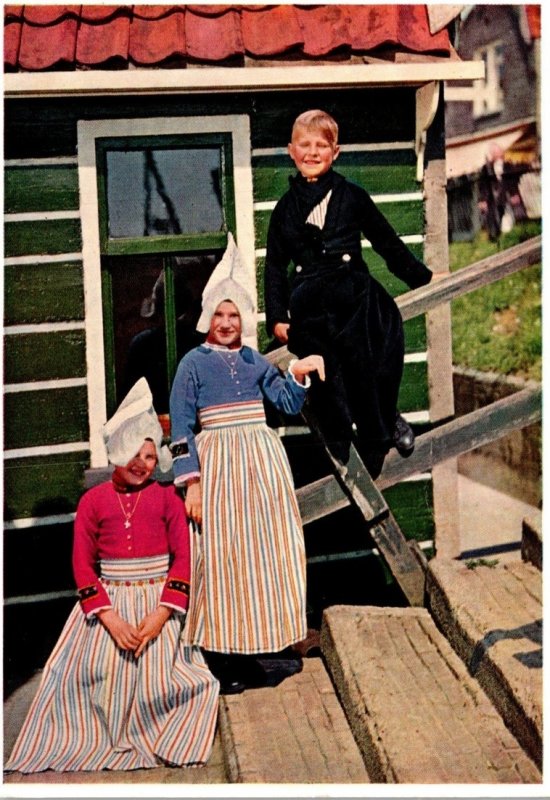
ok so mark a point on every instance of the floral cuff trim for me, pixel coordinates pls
(180, 449)
(178, 585)
(88, 592)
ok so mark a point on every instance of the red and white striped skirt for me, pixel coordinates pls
(99, 707)
(248, 591)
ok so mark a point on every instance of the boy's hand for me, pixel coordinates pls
(151, 625)
(193, 501)
(125, 635)
(306, 365)
(280, 331)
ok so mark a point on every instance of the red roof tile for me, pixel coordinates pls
(97, 44)
(213, 36)
(44, 45)
(533, 18)
(87, 36)
(155, 39)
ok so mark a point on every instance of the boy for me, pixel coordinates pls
(331, 305)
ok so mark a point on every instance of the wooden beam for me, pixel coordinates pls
(392, 545)
(465, 280)
(353, 477)
(320, 498)
(221, 79)
(463, 434)
(447, 441)
(399, 557)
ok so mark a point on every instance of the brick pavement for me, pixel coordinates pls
(295, 732)
(492, 616)
(417, 714)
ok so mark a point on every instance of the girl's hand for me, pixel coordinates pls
(280, 331)
(193, 501)
(306, 365)
(125, 635)
(151, 625)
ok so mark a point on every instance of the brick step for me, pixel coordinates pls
(295, 732)
(492, 616)
(417, 715)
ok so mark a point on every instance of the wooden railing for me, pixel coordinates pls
(460, 435)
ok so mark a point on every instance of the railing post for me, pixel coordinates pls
(439, 340)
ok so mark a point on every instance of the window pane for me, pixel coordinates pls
(155, 191)
(139, 300)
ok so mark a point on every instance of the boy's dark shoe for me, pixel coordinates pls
(403, 437)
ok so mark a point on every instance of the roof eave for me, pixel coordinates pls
(219, 79)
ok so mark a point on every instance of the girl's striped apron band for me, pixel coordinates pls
(135, 569)
(249, 413)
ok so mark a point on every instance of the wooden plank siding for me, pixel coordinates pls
(45, 403)
(44, 286)
(42, 237)
(43, 486)
(45, 417)
(45, 292)
(44, 356)
(35, 187)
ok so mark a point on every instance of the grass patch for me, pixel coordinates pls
(474, 563)
(498, 328)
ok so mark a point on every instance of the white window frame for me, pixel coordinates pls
(488, 95)
(238, 126)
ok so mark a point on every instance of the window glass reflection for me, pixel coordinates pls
(139, 289)
(154, 192)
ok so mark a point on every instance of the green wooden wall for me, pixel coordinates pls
(44, 302)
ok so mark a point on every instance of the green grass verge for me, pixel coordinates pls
(498, 328)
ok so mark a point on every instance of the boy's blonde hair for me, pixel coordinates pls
(315, 119)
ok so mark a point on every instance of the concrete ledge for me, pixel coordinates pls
(531, 540)
(513, 463)
(493, 619)
(416, 713)
(295, 732)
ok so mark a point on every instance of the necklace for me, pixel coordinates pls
(231, 365)
(128, 514)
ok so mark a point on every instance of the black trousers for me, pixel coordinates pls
(350, 319)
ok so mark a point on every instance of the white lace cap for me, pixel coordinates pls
(228, 282)
(134, 421)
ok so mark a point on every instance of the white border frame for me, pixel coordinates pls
(90, 130)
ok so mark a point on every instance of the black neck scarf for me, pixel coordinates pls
(308, 194)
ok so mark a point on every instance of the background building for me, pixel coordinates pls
(497, 116)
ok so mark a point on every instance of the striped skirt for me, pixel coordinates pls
(99, 707)
(248, 592)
